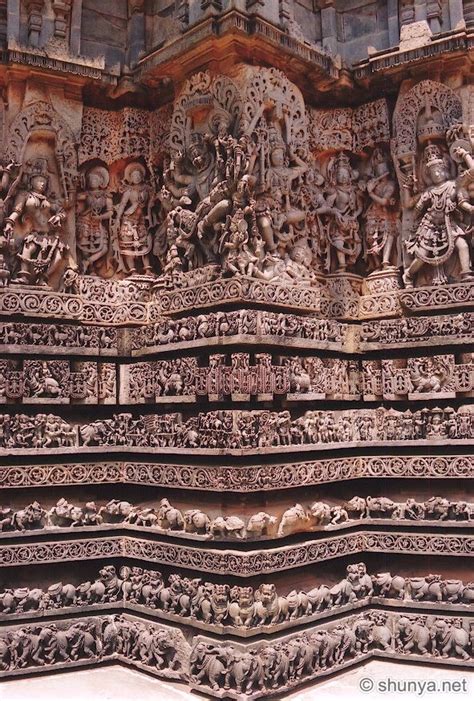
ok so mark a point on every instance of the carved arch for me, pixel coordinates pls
(217, 95)
(409, 106)
(41, 116)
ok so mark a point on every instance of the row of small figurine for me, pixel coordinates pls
(295, 518)
(238, 606)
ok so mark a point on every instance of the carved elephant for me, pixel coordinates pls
(196, 521)
(381, 633)
(258, 524)
(228, 526)
(425, 588)
(389, 586)
(412, 636)
(21, 599)
(206, 664)
(247, 672)
(275, 667)
(450, 639)
(59, 595)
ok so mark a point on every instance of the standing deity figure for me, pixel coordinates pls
(133, 220)
(279, 167)
(94, 212)
(344, 205)
(381, 216)
(40, 250)
(438, 234)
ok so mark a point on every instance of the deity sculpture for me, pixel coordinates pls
(438, 234)
(344, 204)
(94, 211)
(279, 166)
(381, 217)
(133, 221)
(40, 251)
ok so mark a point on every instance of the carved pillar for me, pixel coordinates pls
(136, 30)
(76, 25)
(468, 6)
(456, 17)
(285, 12)
(393, 26)
(62, 10)
(434, 15)
(329, 26)
(182, 14)
(13, 20)
(34, 9)
(3, 22)
(407, 12)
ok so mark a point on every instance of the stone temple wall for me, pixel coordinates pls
(236, 316)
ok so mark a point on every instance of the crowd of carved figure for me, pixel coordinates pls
(312, 376)
(238, 323)
(239, 429)
(238, 606)
(295, 518)
(240, 189)
(261, 667)
(93, 640)
(284, 663)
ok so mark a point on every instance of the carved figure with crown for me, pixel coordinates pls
(133, 222)
(276, 166)
(94, 212)
(33, 229)
(438, 234)
(381, 215)
(344, 203)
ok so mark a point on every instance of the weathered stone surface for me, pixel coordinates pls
(236, 303)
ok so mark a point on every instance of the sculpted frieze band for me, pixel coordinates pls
(238, 479)
(194, 523)
(301, 378)
(240, 180)
(242, 564)
(243, 431)
(235, 670)
(239, 609)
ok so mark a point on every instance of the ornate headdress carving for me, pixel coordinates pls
(433, 156)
